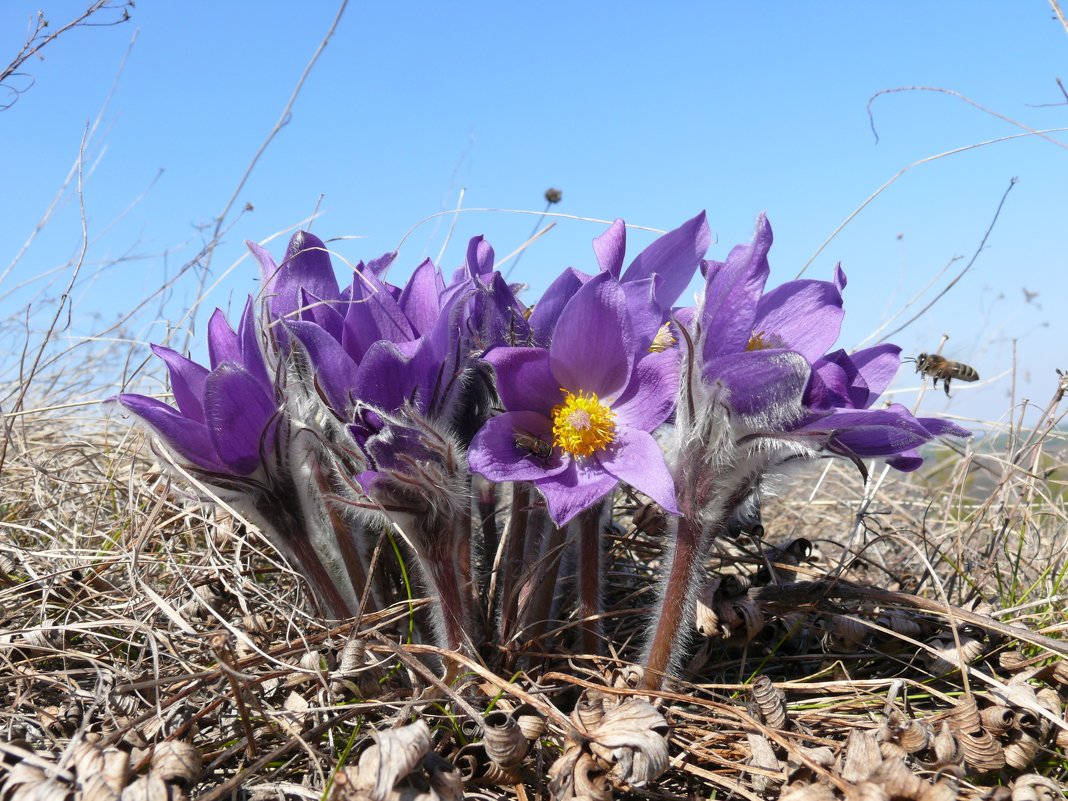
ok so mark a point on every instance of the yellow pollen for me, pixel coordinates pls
(582, 424)
(762, 341)
(663, 339)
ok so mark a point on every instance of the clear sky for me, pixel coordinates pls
(650, 112)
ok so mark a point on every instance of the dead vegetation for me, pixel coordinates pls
(152, 646)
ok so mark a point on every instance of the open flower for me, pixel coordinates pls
(580, 412)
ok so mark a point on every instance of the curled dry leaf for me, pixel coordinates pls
(944, 657)
(632, 739)
(589, 711)
(763, 756)
(862, 755)
(997, 719)
(1021, 752)
(945, 749)
(177, 762)
(628, 746)
(531, 722)
(801, 757)
(981, 750)
(808, 792)
(395, 755)
(151, 787)
(741, 619)
(964, 716)
(900, 621)
(769, 701)
(844, 633)
(476, 767)
(911, 735)
(577, 775)
(503, 739)
(1032, 787)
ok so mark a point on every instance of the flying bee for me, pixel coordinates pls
(526, 441)
(939, 367)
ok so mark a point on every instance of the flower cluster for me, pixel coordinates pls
(336, 415)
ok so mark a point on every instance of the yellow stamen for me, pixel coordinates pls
(582, 424)
(762, 341)
(663, 339)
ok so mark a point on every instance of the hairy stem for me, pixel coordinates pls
(676, 605)
(591, 627)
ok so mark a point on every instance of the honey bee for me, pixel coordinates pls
(939, 367)
(526, 441)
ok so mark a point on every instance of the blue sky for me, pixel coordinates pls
(650, 112)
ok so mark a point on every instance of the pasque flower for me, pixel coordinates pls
(759, 391)
(579, 413)
(236, 429)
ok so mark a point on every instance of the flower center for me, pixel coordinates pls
(763, 341)
(582, 424)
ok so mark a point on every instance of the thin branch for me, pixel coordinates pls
(959, 275)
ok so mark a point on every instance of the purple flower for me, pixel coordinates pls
(580, 412)
(652, 283)
(767, 351)
(223, 415)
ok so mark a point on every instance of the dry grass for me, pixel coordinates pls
(132, 614)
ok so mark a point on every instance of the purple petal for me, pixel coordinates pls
(938, 427)
(186, 437)
(248, 338)
(732, 291)
(877, 366)
(610, 248)
(578, 487)
(636, 457)
(386, 377)
(649, 399)
(187, 382)
(525, 381)
(335, 371)
(765, 383)
(495, 455)
(805, 315)
(592, 348)
(238, 414)
(378, 266)
(479, 258)
(674, 257)
(321, 312)
(906, 462)
(829, 383)
(645, 315)
(307, 265)
(870, 432)
(547, 310)
(223, 343)
(419, 300)
(373, 314)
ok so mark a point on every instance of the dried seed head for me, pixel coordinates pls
(553, 195)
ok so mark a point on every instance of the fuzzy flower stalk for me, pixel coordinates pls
(758, 392)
